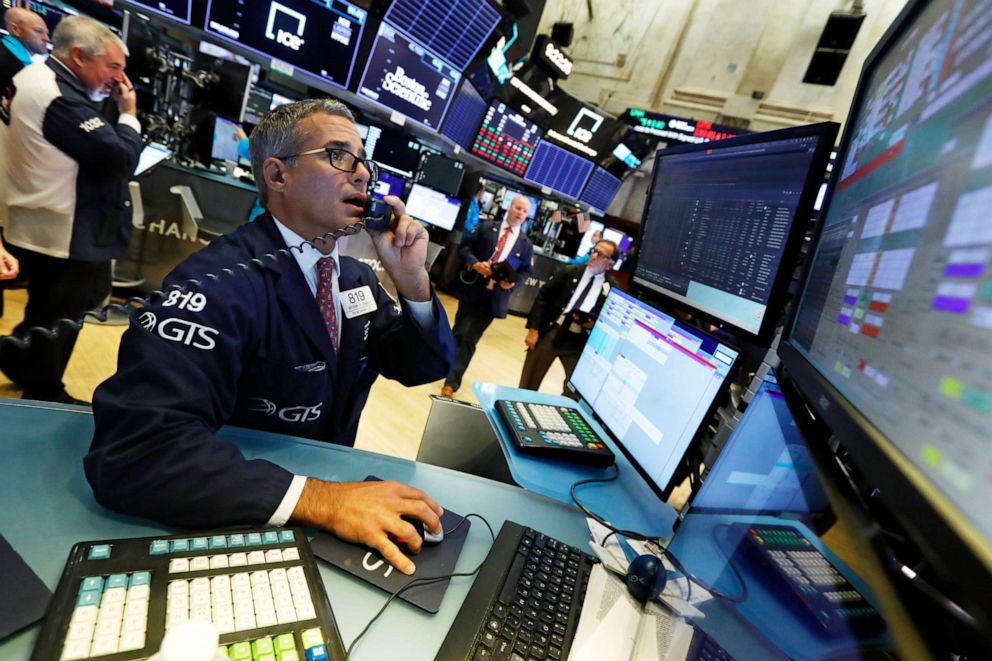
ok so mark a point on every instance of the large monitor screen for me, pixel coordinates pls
(454, 30)
(259, 104)
(227, 92)
(724, 222)
(432, 207)
(320, 38)
(388, 184)
(440, 173)
(465, 116)
(506, 139)
(227, 135)
(178, 10)
(393, 150)
(600, 190)
(891, 341)
(558, 169)
(404, 77)
(764, 467)
(652, 380)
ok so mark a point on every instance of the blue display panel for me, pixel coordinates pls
(600, 190)
(454, 30)
(558, 169)
(388, 184)
(320, 38)
(404, 77)
(466, 114)
(177, 10)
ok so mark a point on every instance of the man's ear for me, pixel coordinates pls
(274, 172)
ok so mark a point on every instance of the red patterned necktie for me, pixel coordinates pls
(499, 244)
(325, 297)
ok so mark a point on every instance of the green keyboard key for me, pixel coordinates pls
(240, 651)
(262, 646)
(285, 642)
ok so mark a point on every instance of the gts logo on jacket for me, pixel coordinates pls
(288, 414)
(185, 332)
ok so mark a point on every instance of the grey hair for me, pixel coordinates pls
(279, 134)
(83, 32)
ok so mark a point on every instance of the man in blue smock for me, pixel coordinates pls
(292, 346)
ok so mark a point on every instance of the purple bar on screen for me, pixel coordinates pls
(949, 304)
(844, 319)
(851, 300)
(964, 270)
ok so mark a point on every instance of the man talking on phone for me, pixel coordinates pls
(290, 345)
(66, 191)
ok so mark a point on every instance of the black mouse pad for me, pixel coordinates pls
(433, 560)
(32, 596)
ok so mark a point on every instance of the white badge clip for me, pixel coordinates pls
(358, 301)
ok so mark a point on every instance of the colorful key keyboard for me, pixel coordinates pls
(261, 590)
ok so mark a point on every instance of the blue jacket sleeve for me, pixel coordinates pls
(154, 450)
(81, 132)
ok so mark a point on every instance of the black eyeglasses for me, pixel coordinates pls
(340, 159)
(597, 251)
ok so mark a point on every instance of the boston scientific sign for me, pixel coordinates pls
(676, 129)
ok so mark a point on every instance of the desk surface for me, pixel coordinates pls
(628, 502)
(49, 507)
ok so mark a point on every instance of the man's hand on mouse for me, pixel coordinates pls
(368, 512)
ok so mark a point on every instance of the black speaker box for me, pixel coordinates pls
(562, 33)
(825, 67)
(840, 30)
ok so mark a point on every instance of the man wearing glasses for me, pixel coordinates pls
(290, 345)
(563, 314)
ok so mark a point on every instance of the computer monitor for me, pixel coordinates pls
(388, 184)
(177, 10)
(227, 94)
(558, 169)
(402, 76)
(151, 155)
(320, 38)
(393, 150)
(725, 220)
(225, 142)
(432, 207)
(652, 381)
(506, 139)
(889, 348)
(465, 116)
(507, 200)
(764, 467)
(600, 190)
(440, 173)
(258, 105)
(453, 30)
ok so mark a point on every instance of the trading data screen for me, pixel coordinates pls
(897, 310)
(466, 114)
(404, 77)
(651, 380)
(320, 38)
(388, 184)
(506, 139)
(432, 207)
(455, 30)
(178, 10)
(719, 220)
(558, 169)
(600, 190)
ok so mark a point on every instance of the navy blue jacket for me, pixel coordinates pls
(479, 247)
(251, 350)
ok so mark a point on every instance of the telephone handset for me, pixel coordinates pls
(377, 213)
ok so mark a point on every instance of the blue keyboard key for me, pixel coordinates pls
(286, 536)
(179, 545)
(254, 539)
(270, 537)
(99, 552)
(236, 540)
(88, 598)
(158, 547)
(200, 544)
(92, 583)
(218, 542)
(117, 581)
(140, 578)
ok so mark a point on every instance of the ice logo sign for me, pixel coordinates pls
(585, 133)
(288, 17)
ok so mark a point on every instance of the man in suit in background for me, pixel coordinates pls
(482, 298)
(563, 314)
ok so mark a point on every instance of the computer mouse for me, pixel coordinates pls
(426, 535)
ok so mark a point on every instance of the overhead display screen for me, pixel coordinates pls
(600, 190)
(320, 38)
(558, 169)
(455, 30)
(404, 77)
(507, 138)
(467, 111)
(583, 129)
(178, 10)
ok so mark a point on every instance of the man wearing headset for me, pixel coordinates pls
(292, 346)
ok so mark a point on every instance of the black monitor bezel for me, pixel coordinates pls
(827, 131)
(664, 493)
(892, 477)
